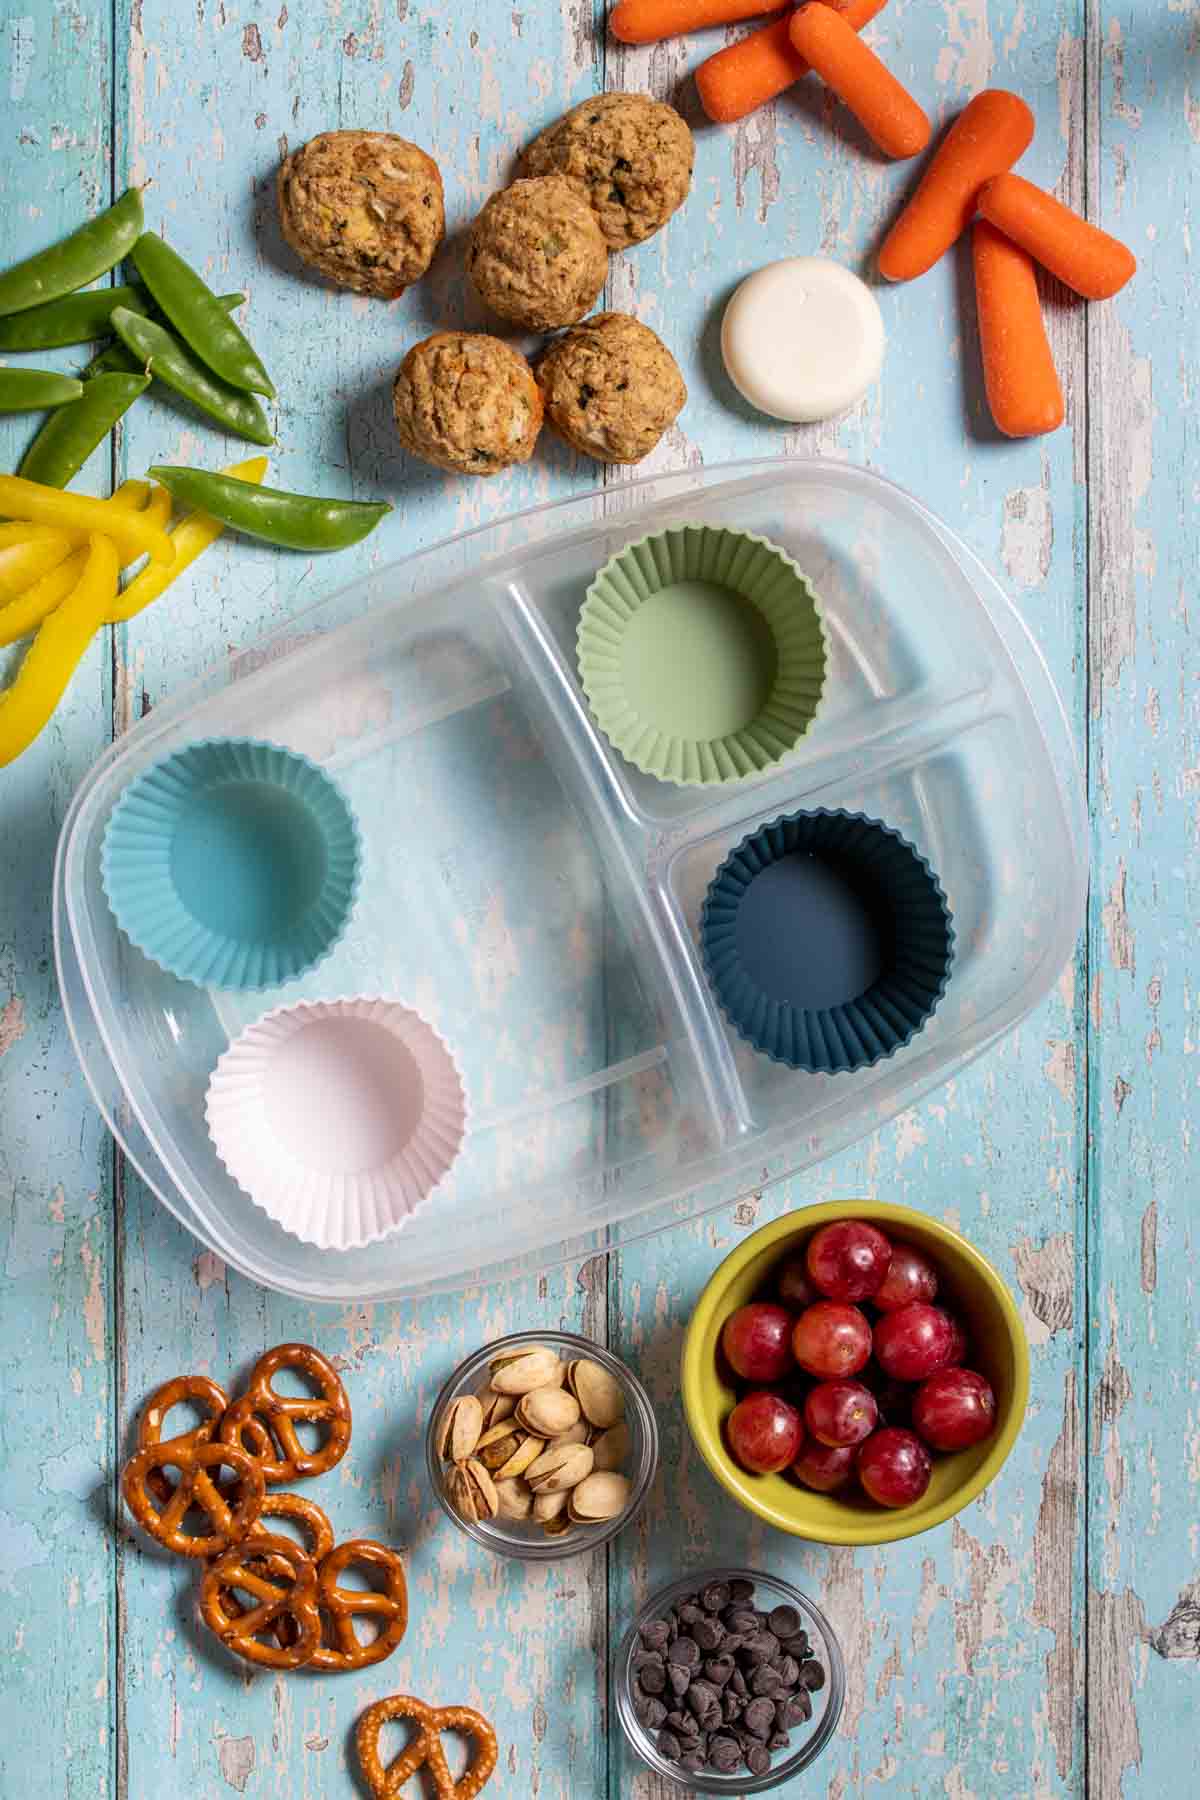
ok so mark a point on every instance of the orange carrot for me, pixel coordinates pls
(1018, 369)
(884, 108)
(646, 21)
(986, 138)
(745, 76)
(1086, 258)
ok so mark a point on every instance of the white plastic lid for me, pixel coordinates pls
(802, 339)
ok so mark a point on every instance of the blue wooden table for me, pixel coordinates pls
(1046, 1642)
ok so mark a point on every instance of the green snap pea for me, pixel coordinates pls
(29, 390)
(295, 521)
(70, 434)
(198, 316)
(88, 253)
(79, 318)
(116, 356)
(160, 353)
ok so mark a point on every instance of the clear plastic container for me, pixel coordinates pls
(537, 898)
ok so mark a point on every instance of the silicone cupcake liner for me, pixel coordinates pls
(702, 653)
(338, 1118)
(827, 939)
(232, 864)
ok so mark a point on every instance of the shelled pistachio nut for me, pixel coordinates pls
(515, 1497)
(527, 1451)
(557, 1470)
(521, 1371)
(496, 1407)
(547, 1412)
(611, 1448)
(598, 1393)
(598, 1497)
(472, 1491)
(461, 1428)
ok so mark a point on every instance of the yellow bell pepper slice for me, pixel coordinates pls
(26, 612)
(27, 552)
(133, 536)
(190, 538)
(55, 653)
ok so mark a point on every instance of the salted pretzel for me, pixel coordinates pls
(207, 1394)
(276, 1573)
(341, 1648)
(269, 1419)
(425, 1750)
(230, 1510)
(306, 1513)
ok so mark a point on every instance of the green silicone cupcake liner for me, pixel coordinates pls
(702, 653)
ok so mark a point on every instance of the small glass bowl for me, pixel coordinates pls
(770, 1592)
(526, 1539)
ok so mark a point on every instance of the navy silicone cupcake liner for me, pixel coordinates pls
(827, 939)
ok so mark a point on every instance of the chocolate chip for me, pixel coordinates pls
(647, 1659)
(797, 1710)
(656, 1634)
(650, 1712)
(653, 1678)
(789, 1671)
(812, 1676)
(758, 1759)
(689, 1613)
(702, 1697)
(709, 1633)
(779, 1740)
(762, 1648)
(724, 1754)
(718, 1669)
(737, 1682)
(715, 1597)
(741, 1591)
(679, 1722)
(759, 1717)
(679, 1678)
(767, 1680)
(731, 1706)
(798, 1646)
(686, 1652)
(741, 1620)
(784, 1621)
(691, 1760)
(669, 1746)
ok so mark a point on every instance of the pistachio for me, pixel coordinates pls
(525, 1370)
(548, 1412)
(598, 1497)
(472, 1491)
(611, 1448)
(460, 1429)
(515, 1497)
(556, 1470)
(527, 1451)
(599, 1395)
(549, 1506)
(496, 1407)
(578, 1434)
(497, 1445)
(555, 1527)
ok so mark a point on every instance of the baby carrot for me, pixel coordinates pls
(986, 138)
(884, 108)
(747, 75)
(1018, 369)
(1086, 258)
(646, 21)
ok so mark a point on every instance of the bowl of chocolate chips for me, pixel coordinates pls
(729, 1682)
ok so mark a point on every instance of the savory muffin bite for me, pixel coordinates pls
(363, 207)
(611, 387)
(467, 402)
(536, 255)
(630, 155)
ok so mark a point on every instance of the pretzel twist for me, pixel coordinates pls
(425, 1750)
(270, 1418)
(275, 1572)
(230, 1511)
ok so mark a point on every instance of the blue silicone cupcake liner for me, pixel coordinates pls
(233, 863)
(827, 939)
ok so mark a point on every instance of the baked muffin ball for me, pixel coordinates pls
(467, 402)
(363, 207)
(535, 254)
(631, 155)
(611, 387)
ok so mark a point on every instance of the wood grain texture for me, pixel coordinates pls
(1045, 1643)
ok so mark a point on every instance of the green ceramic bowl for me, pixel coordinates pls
(998, 1350)
(702, 654)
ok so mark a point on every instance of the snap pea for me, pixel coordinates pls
(116, 356)
(79, 318)
(71, 433)
(198, 316)
(89, 252)
(29, 390)
(160, 353)
(295, 521)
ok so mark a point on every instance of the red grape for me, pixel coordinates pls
(765, 1433)
(795, 1288)
(757, 1341)
(831, 1339)
(824, 1467)
(954, 1409)
(894, 1467)
(911, 1276)
(848, 1260)
(840, 1413)
(958, 1350)
(915, 1341)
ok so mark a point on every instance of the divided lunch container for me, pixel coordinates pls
(538, 899)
